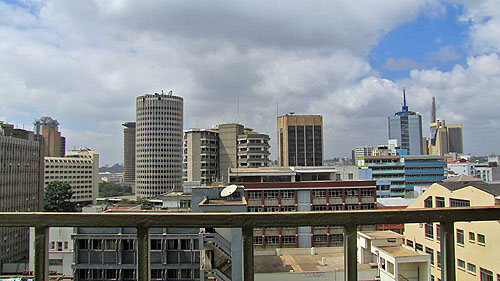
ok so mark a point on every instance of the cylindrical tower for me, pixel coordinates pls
(129, 152)
(159, 127)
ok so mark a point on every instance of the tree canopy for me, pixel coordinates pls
(57, 197)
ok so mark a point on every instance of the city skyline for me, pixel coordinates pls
(83, 63)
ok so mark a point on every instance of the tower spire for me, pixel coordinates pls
(405, 107)
(433, 110)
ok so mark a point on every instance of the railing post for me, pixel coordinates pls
(143, 255)
(447, 251)
(247, 253)
(41, 253)
(350, 253)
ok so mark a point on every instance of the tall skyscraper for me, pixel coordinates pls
(444, 138)
(21, 186)
(54, 143)
(159, 127)
(406, 127)
(300, 140)
(201, 156)
(129, 152)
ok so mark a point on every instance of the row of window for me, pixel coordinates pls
(440, 202)
(129, 244)
(481, 239)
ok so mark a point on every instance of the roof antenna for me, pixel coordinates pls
(405, 107)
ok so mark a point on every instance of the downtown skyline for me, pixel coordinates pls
(84, 62)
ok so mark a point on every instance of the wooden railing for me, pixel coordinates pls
(247, 222)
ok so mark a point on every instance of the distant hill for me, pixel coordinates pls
(116, 168)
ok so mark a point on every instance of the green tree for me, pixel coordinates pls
(57, 197)
(112, 189)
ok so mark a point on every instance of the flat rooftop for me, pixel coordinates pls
(401, 251)
(380, 234)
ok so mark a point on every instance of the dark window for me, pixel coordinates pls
(431, 253)
(481, 239)
(428, 202)
(155, 244)
(486, 275)
(459, 203)
(429, 230)
(460, 236)
(419, 247)
(439, 202)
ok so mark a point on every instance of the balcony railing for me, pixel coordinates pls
(247, 222)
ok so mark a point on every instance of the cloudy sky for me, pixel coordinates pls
(84, 63)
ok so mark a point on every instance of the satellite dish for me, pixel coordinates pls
(228, 190)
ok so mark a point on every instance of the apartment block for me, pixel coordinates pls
(300, 140)
(210, 153)
(80, 169)
(129, 153)
(476, 249)
(21, 186)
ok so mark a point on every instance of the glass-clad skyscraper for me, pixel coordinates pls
(406, 127)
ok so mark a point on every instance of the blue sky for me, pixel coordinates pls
(346, 60)
(420, 41)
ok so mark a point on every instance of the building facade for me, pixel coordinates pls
(129, 152)
(476, 249)
(21, 186)
(159, 127)
(201, 156)
(300, 140)
(406, 127)
(80, 169)
(54, 143)
(210, 153)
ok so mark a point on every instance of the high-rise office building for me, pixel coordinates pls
(159, 127)
(54, 143)
(78, 168)
(129, 152)
(210, 153)
(406, 127)
(300, 140)
(21, 186)
(444, 138)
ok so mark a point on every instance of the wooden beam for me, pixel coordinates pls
(447, 251)
(350, 253)
(143, 254)
(41, 269)
(248, 265)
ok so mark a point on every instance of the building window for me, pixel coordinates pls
(486, 275)
(111, 274)
(461, 264)
(438, 232)
(271, 209)
(254, 209)
(288, 240)
(409, 243)
(472, 237)
(319, 239)
(82, 244)
(128, 274)
(128, 244)
(428, 202)
(172, 244)
(185, 273)
(429, 230)
(439, 259)
(271, 194)
(319, 193)
(382, 263)
(336, 207)
(288, 208)
(481, 239)
(156, 274)
(254, 195)
(287, 194)
(172, 273)
(319, 207)
(431, 253)
(155, 245)
(186, 244)
(439, 202)
(352, 192)
(367, 206)
(257, 240)
(96, 244)
(272, 240)
(335, 193)
(459, 203)
(460, 237)
(471, 268)
(419, 247)
(367, 192)
(110, 244)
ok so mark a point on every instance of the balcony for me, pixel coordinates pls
(247, 222)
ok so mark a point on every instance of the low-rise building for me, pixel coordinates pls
(476, 250)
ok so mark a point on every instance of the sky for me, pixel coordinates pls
(84, 63)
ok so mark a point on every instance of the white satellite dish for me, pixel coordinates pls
(228, 190)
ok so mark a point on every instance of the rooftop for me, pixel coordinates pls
(401, 251)
(493, 189)
(374, 235)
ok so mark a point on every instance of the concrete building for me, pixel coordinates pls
(300, 140)
(159, 127)
(54, 143)
(445, 139)
(21, 186)
(406, 127)
(360, 151)
(201, 156)
(60, 250)
(210, 153)
(395, 261)
(421, 171)
(80, 169)
(129, 153)
(476, 249)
